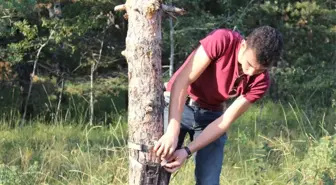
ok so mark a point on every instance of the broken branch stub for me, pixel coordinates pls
(173, 9)
(121, 7)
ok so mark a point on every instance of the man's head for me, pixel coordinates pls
(260, 50)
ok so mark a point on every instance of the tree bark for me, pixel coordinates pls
(94, 67)
(91, 94)
(60, 97)
(145, 111)
(172, 48)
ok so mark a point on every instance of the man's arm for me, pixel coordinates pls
(220, 125)
(198, 63)
(212, 132)
(188, 75)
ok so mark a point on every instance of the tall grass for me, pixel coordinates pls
(277, 144)
(58, 154)
(273, 143)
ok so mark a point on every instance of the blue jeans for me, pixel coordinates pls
(208, 160)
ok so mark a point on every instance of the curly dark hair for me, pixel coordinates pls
(267, 43)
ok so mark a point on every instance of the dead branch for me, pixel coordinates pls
(171, 15)
(121, 7)
(166, 8)
(173, 9)
(123, 53)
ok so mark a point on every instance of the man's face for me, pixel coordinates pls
(248, 60)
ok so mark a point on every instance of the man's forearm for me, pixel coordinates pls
(177, 98)
(218, 127)
(209, 134)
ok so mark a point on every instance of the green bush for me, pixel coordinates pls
(318, 166)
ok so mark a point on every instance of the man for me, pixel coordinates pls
(224, 66)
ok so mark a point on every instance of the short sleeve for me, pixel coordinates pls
(258, 88)
(216, 42)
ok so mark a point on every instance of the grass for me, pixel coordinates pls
(273, 143)
(58, 154)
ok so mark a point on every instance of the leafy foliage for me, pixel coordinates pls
(319, 164)
(308, 64)
(305, 71)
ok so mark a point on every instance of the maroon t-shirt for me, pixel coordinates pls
(213, 86)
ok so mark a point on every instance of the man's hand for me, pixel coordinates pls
(166, 145)
(176, 160)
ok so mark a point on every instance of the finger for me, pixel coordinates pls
(160, 150)
(171, 170)
(153, 157)
(165, 152)
(157, 145)
(170, 152)
(173, 164)
(171, 158)
(163, 162)
(168, 169)
(157, 159)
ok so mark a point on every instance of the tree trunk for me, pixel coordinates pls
(27, 108)
(172, 52)
(60, 98)
(91, 94)
(145, 111)
(94, 67)
(26, 88)
(60, 83)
